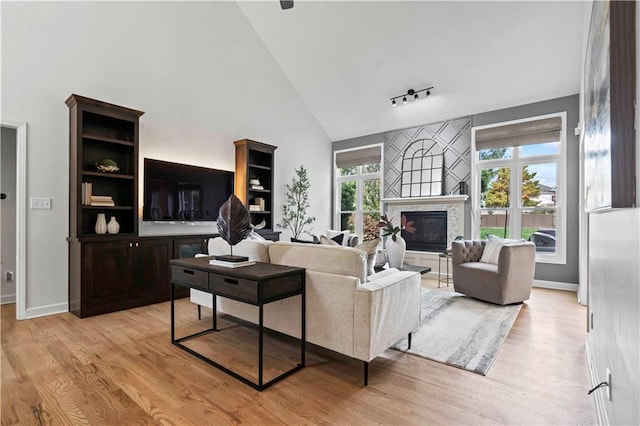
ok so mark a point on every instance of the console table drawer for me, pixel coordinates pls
(190, 276)
(238, 288)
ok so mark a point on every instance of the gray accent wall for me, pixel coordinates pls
(567, 273)
(455, 138)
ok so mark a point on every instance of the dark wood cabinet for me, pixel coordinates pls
(104, 280)
(254, 183)
(118, 274)
(186, 247)
(149, 270)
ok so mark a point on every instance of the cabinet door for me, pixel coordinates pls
(149, 266)
(189, 247)
(105, 276)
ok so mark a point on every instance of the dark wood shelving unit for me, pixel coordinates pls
(255, 160)
(99, 131)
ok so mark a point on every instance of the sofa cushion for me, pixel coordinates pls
(253, 249)
(319, 257)
(382, 274)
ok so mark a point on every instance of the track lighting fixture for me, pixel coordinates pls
(413, 93)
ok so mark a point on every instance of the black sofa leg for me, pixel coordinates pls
(366, 373)
(199, 312)
(409, 347)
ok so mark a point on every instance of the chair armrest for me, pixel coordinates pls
(466, 251)
(383, 273)
(517, 260)
(385, 311)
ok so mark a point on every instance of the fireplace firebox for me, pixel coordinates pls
(431, 231)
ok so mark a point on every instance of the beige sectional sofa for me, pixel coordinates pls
(347, 312)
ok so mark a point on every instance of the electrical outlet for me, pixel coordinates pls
(608, 379)
(41, 204)
(591, 321)
(9, 276)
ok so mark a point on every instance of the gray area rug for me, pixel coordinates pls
(460, 331)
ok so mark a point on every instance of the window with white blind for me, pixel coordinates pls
(358, 185)
(518, 183)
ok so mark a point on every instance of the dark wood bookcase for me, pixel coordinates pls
(99, 131)
(255, 160)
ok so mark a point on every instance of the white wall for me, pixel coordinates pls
(614, 297)
(197, 69)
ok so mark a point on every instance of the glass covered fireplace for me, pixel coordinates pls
(431, 231)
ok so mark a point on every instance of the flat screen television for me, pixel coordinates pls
(182, 193)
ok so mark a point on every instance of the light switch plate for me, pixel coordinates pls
(40, 203)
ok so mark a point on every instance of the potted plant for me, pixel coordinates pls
(294, 209)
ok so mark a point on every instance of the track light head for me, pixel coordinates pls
(404, 100)
(416, 96)
(393, 103)
(428, 92)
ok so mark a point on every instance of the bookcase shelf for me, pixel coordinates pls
(109, 140)
(255, 160)
(107, 175)
(100, 131)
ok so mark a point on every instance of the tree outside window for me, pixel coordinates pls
(360, 199)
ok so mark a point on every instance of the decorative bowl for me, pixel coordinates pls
(107, 169)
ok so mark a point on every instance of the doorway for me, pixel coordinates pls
(8, 174)
(18, 136)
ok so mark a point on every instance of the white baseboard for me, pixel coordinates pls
(601, 411)
(42, 311)
(555, 285)
(7, 298)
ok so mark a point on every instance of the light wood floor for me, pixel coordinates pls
(121, 369)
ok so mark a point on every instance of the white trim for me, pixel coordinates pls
(6, 299)
(436, 199)
(561, 182)
(359, 179)
(21, 215)
(601, 411)
(555, 285)
(43, 311)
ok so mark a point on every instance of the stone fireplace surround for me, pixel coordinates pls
(454, 205)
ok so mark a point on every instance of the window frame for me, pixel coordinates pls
(516, 162)
(359, 178)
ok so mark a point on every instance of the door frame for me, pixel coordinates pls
(21, 213)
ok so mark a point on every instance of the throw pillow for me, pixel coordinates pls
(491, 251)
(327, 241)
(254, 236)
(371, 248)
(333, 234)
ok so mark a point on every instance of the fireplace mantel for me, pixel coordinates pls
(436, 199)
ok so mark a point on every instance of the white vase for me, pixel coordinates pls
(101, 224)
(113, 227)
(395, 251)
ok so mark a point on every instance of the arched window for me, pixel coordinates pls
(422, 166)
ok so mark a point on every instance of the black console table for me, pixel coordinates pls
(257, 285)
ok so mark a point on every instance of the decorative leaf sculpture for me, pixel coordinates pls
(234, 223)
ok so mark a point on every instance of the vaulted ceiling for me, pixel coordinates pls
(346, 59)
